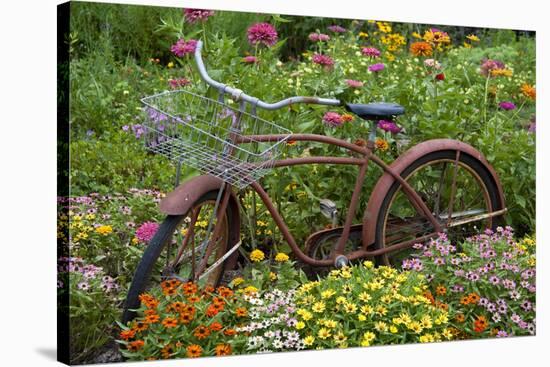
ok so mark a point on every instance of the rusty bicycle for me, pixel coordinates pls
(437, 186)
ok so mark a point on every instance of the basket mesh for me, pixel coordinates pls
(198, 132)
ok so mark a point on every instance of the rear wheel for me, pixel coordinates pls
(177, 249)
(458, 208)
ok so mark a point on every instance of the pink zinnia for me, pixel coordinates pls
(389, 126)
(146, 231)
(333, 119)
(336, 29)
(197, 15)
(177, 83)
(371, 52)
(318, 37)
(354, 83)
(323, 60)
(376, 67)
(182, 47)
(262, 33)
(250, 59)
(488, 65)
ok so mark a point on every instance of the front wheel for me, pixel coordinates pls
(460, 208)
(177, 249)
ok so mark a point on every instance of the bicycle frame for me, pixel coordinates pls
(367, 155)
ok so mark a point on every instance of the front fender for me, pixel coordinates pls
(386, 181)
(180, 201)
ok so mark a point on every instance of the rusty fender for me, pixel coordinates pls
(179, 202)
(385, 182)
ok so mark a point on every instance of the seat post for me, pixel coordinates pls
(372, 134)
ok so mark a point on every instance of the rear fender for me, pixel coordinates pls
(179, 202)
(400, 164)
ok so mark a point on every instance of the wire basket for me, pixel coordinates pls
(200, 132)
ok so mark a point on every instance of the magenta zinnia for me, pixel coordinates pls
(318, 37)
(507, 105)
(336, 29)
(197, 15)
(370, 52)
(182, 47)
(146, 231)
(262, 33)
(333, 119)
(323, 60)
(389, 126)
(376, 67)
(250, 59)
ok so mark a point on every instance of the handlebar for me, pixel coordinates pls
(238, 94)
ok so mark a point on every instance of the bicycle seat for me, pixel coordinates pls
(376, 111)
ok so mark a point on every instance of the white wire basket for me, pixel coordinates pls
(199, 132)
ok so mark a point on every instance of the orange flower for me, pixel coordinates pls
(381, 144)
(170, 283)
(148, 300)
(465, 300)
(152, 319)
(189, 309)
(169, 291)
(127, 334)
(346, 117)
(209, 289)
(529, 91)
(201, 332)
(212, 311)
(229, 332)
(223, 350)
(459, 318)
(215, 326)
(241, 312)
(225, 292)
(473, 298)
(140, 326)
(170, 322)
(421, 49)
(193, 299)
(135, 345)
(189, 288)
(429, 296)
(480, 324)
(194, 351)
(440, 290)
(175, 307)
(360, 142)
(186, 317)
(442, 305)
(149, 312)
(167, 351)
(290, 142)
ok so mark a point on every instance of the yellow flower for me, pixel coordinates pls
(447, 334)
(90, 216)
(170, 65)
(381, 144)
(309, 340)
(467, 45)
(237, 281)
(135, 241)
(415, 326)
(393, 329)
(340, 300)
(416, 35)
(368, 264)
(381, 326)
(331, 324)
(323, 333)
(346, 288)
(384, 27)
(361, 317)
(426, 338)
(529, 91)
(350, 307)
(363, 35)
(183, 231)
(257, 255)
(473, 37)
(340, 338)
(368, 337)
(502, 72)
(281, 257)
(426, 322)
(381, 310)
(318, 307)
(367, 309)
(365, 297)
(345, 273)
(272, 276)
(300, 325)
(250, 289)
(441, 319)
(327, 294)
(104, 230)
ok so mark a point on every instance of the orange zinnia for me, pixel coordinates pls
(480, 324)
(225, 292)
(459, 317)
(149, 312)
(421, 49)
(135, 345)
(441, 305)
(429, 296)
(440, 290)
(189, 289)
(127, 334)
(241, 312)
(201, 332)
(175, 307)
(148, 300)
(167, 351)
(212, 311)
(230, 332)
(193, 299)
(152, 319)
(223, 350)
(186, 318)
(473, 298)
(169, 291)
(529, 91)
(215, 326)
(465, 300)
(170, 322)
(140, 326)
(194, 351)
